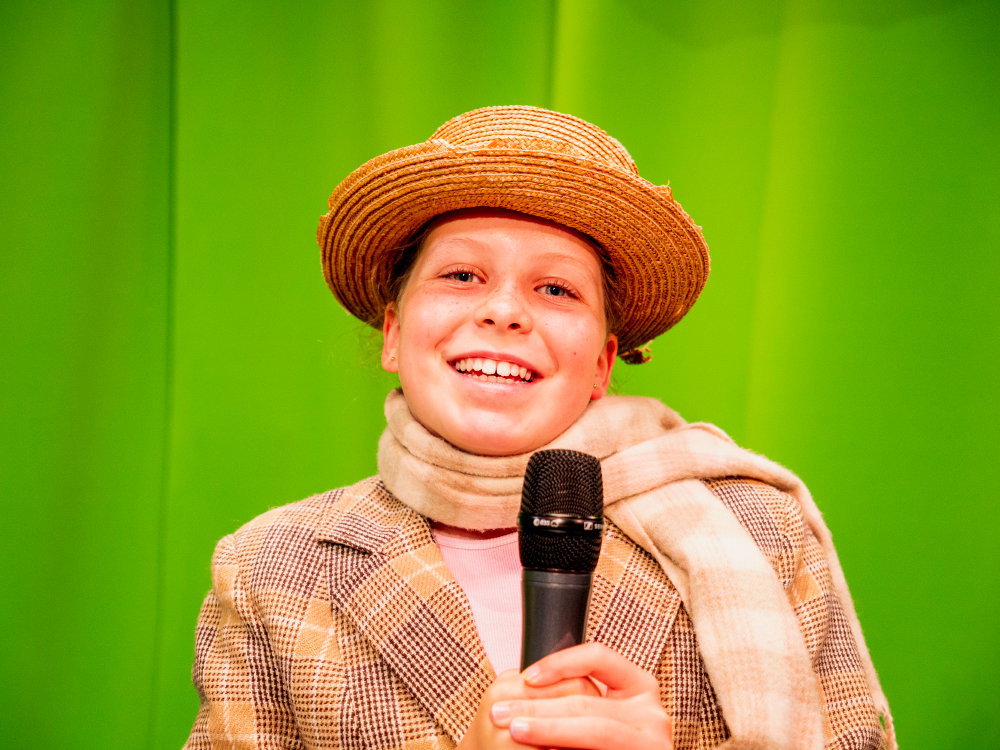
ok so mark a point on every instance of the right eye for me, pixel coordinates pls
(466, 277)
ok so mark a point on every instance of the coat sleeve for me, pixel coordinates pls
(850, 719)
(774, 520)
(243, 703)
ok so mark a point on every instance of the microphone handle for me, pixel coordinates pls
(555, 612)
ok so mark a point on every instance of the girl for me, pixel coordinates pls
(508, 261)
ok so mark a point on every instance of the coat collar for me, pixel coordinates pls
(365, 517)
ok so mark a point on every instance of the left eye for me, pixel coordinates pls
(464, 276)
(552, 289)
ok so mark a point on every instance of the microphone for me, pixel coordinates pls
(560, 527)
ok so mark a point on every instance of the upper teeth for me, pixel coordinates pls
(493, 370)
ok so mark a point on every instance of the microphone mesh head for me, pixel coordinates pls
(561, 482)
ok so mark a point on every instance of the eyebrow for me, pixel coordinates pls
(558, 255)
(460, 240)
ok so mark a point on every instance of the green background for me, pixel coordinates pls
(173, 365)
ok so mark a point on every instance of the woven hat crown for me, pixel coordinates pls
(531, 129)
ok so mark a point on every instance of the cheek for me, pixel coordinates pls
(577, 342)
(427, 322)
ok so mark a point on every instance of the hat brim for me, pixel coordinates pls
(659, 256)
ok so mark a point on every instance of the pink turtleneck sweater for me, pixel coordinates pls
(489, 572)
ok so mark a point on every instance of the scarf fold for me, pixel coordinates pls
(653, 463)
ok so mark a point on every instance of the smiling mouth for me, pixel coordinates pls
(493, 371)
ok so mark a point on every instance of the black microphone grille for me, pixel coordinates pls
(563, 481)
(562, 510)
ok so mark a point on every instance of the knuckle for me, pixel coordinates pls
(499, 691)
(659, 723)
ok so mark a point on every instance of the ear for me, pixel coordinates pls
(390, 339)
(605, 364)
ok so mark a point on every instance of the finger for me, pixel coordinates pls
(500, 711)
(622, 677)
(512, 687)
(566, 706)
(593, 733)
(631, 710)
(570, 686)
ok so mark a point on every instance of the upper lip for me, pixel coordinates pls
(496, 357)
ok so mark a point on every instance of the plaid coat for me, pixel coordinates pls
(333, 622)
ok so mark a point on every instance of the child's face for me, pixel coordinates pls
(493, 287)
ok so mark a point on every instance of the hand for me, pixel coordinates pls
(485, 734)
(627, 717)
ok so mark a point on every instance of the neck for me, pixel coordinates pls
(459, 533)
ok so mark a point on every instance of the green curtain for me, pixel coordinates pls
(173, 365)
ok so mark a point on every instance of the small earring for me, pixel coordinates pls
(392, 359)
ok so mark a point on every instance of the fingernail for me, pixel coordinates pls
(500, 711)
(519, 729)
(532, 673)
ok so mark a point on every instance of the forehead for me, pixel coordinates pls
(498, 229)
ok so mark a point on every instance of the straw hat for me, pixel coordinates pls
(537, 162)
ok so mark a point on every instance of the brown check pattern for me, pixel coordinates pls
(334, 622)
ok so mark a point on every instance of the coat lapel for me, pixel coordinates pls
(393, 583)
(633, 605)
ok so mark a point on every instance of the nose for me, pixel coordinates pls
(504, 310)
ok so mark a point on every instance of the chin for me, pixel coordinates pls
(493, 430)
(490, 443)
(495, 449)
(503, 435)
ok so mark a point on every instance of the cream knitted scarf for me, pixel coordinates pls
(652, 462)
